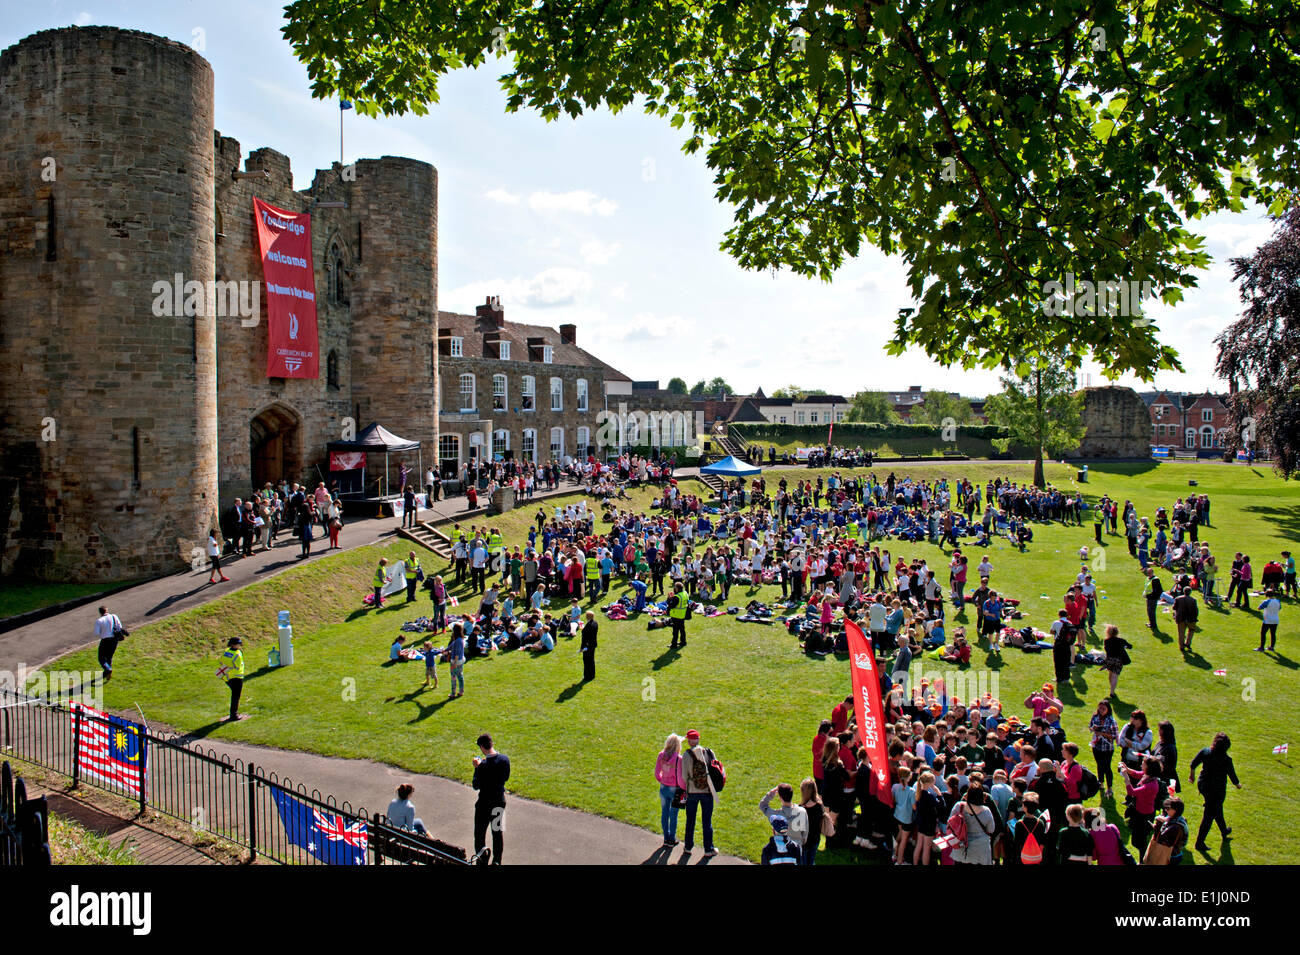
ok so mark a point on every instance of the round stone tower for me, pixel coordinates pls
(107, 388)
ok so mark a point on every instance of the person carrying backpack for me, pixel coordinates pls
(701, 775)
(974, 825)
(781, 849)
(1034, 842)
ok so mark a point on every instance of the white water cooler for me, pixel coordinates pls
(286, 639)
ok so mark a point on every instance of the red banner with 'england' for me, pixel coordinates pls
(284, 241)
(870, 713)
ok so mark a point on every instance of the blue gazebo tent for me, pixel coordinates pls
(730, 467)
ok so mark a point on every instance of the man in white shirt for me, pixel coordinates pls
(478, 566)
(107, 629)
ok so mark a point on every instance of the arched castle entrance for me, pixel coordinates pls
(275, 450)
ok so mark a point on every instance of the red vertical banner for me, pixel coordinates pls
(870, 711)
(284, 242)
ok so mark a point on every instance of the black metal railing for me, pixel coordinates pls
(214, 794)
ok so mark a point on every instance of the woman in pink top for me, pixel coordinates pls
(667, 768)
(1070, 773)
(1105, 838)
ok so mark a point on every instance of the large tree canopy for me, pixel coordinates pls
(996, 148)
(872, 406)
(1260, 352)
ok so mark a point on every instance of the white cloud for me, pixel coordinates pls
(645, 328)
(579, 200)
(546, 289)
(502, 196)
(596, 252)
(83, 19)
(619, 291)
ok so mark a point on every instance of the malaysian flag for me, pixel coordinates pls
(111, 749)
(333, 838)
(1280, 750)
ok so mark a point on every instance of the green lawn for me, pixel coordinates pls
(20, 596)
(755, 699)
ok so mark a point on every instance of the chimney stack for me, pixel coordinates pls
(491, 312)
(569, 334)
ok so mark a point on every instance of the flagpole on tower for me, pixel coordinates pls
(343, 104)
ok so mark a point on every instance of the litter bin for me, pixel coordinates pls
(1083, 475)
(286, 639)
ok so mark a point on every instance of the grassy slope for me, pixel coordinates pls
(20, 596)
(755, 699)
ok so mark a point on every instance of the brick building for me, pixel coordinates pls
(512, 391)
(1188, 421)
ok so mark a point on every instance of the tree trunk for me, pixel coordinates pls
(1039, 480)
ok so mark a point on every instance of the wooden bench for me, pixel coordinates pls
(407, 847)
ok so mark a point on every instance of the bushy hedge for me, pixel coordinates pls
(975, 440)
(851, 434)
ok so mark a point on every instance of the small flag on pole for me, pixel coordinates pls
(1220, 672)
(452, 601)
(1280, 750)
(345, 104)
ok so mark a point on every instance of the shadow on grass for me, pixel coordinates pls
(1285, 661)
(425, 709)
(280, 565)
(570, 692)
(1194, 659)
(665, 658)
(1075, 691)
(1286, 519)
(202, 732)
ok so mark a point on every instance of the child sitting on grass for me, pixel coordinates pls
(960, 651)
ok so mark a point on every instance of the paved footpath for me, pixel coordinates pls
(536, 833)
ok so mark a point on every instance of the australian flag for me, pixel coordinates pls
(333, 838)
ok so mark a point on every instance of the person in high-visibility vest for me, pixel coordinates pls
(232, 671)
(677, 605)
(593, 576)
(413, 574)
(381, 578)
(1098, 518)
(497, 551)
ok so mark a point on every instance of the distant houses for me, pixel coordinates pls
(1189, 421)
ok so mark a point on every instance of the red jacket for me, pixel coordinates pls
(1076, 609)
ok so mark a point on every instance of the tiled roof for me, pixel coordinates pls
(471, 329)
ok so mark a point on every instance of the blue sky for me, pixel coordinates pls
(603, 222)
